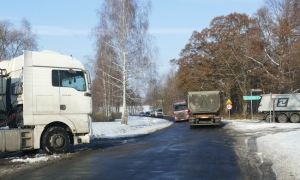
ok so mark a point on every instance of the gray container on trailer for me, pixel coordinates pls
(204, 101)
(283, 102)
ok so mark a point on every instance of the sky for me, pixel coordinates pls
(280, 148)
(65, 26)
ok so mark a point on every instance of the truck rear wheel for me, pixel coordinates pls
(282, 118)
(295, 118)
(55, 140)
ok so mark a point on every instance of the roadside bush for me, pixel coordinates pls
(100, 117)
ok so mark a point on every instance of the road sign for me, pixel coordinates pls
(229, 106)
(246, 98)
(256, 90)
(228, 101)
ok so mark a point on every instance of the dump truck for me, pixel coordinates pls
(204, 108)
(286, 107)
(45, 102)
(180, 110)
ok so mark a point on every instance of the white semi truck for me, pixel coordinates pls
(286, 107)
(45, 103)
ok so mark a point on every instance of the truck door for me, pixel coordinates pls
(45, 97)
(74, 98)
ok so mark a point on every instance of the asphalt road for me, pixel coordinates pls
(176, 152)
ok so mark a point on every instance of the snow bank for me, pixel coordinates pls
(137, 125)
(37, 158)
(256, 125)
(281, 148)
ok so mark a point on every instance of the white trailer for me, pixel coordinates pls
(286, 107)
(45, 102)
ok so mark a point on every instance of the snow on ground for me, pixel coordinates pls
(137, 125)
(282, 148)
(37, 158)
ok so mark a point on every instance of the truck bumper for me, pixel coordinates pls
(82, 139)
(204, 122)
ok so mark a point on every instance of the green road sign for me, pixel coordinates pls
(246, 98)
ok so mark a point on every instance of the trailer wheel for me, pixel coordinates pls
(267, 118)
(282, 118)
(55, 140)
(295, 118)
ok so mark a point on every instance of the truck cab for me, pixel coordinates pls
(180, 110)
(49, 97)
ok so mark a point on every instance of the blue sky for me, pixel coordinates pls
(65, 26)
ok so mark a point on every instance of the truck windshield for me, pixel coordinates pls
(179, 107)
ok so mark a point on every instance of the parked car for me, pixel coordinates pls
(142, 113)
(147, 113)
(157, 112)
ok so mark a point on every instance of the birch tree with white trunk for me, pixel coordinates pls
(123, 28)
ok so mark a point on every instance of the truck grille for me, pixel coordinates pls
(180, 115)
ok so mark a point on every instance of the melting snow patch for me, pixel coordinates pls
(36, 159)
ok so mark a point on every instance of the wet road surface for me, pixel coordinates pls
(176, 152)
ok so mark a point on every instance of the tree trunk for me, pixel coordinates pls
(124, 114)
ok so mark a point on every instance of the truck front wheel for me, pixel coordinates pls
(55, 140)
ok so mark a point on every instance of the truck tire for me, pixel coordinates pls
(55, 140)
(267, 118)
(282, 118)
(295, 118)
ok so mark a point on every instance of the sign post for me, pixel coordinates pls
(229, 106)
(252, 98)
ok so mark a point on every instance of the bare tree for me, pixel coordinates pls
(279, 22)
(29, 41)
(171, 91)
(127, 48)
(13, 41)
